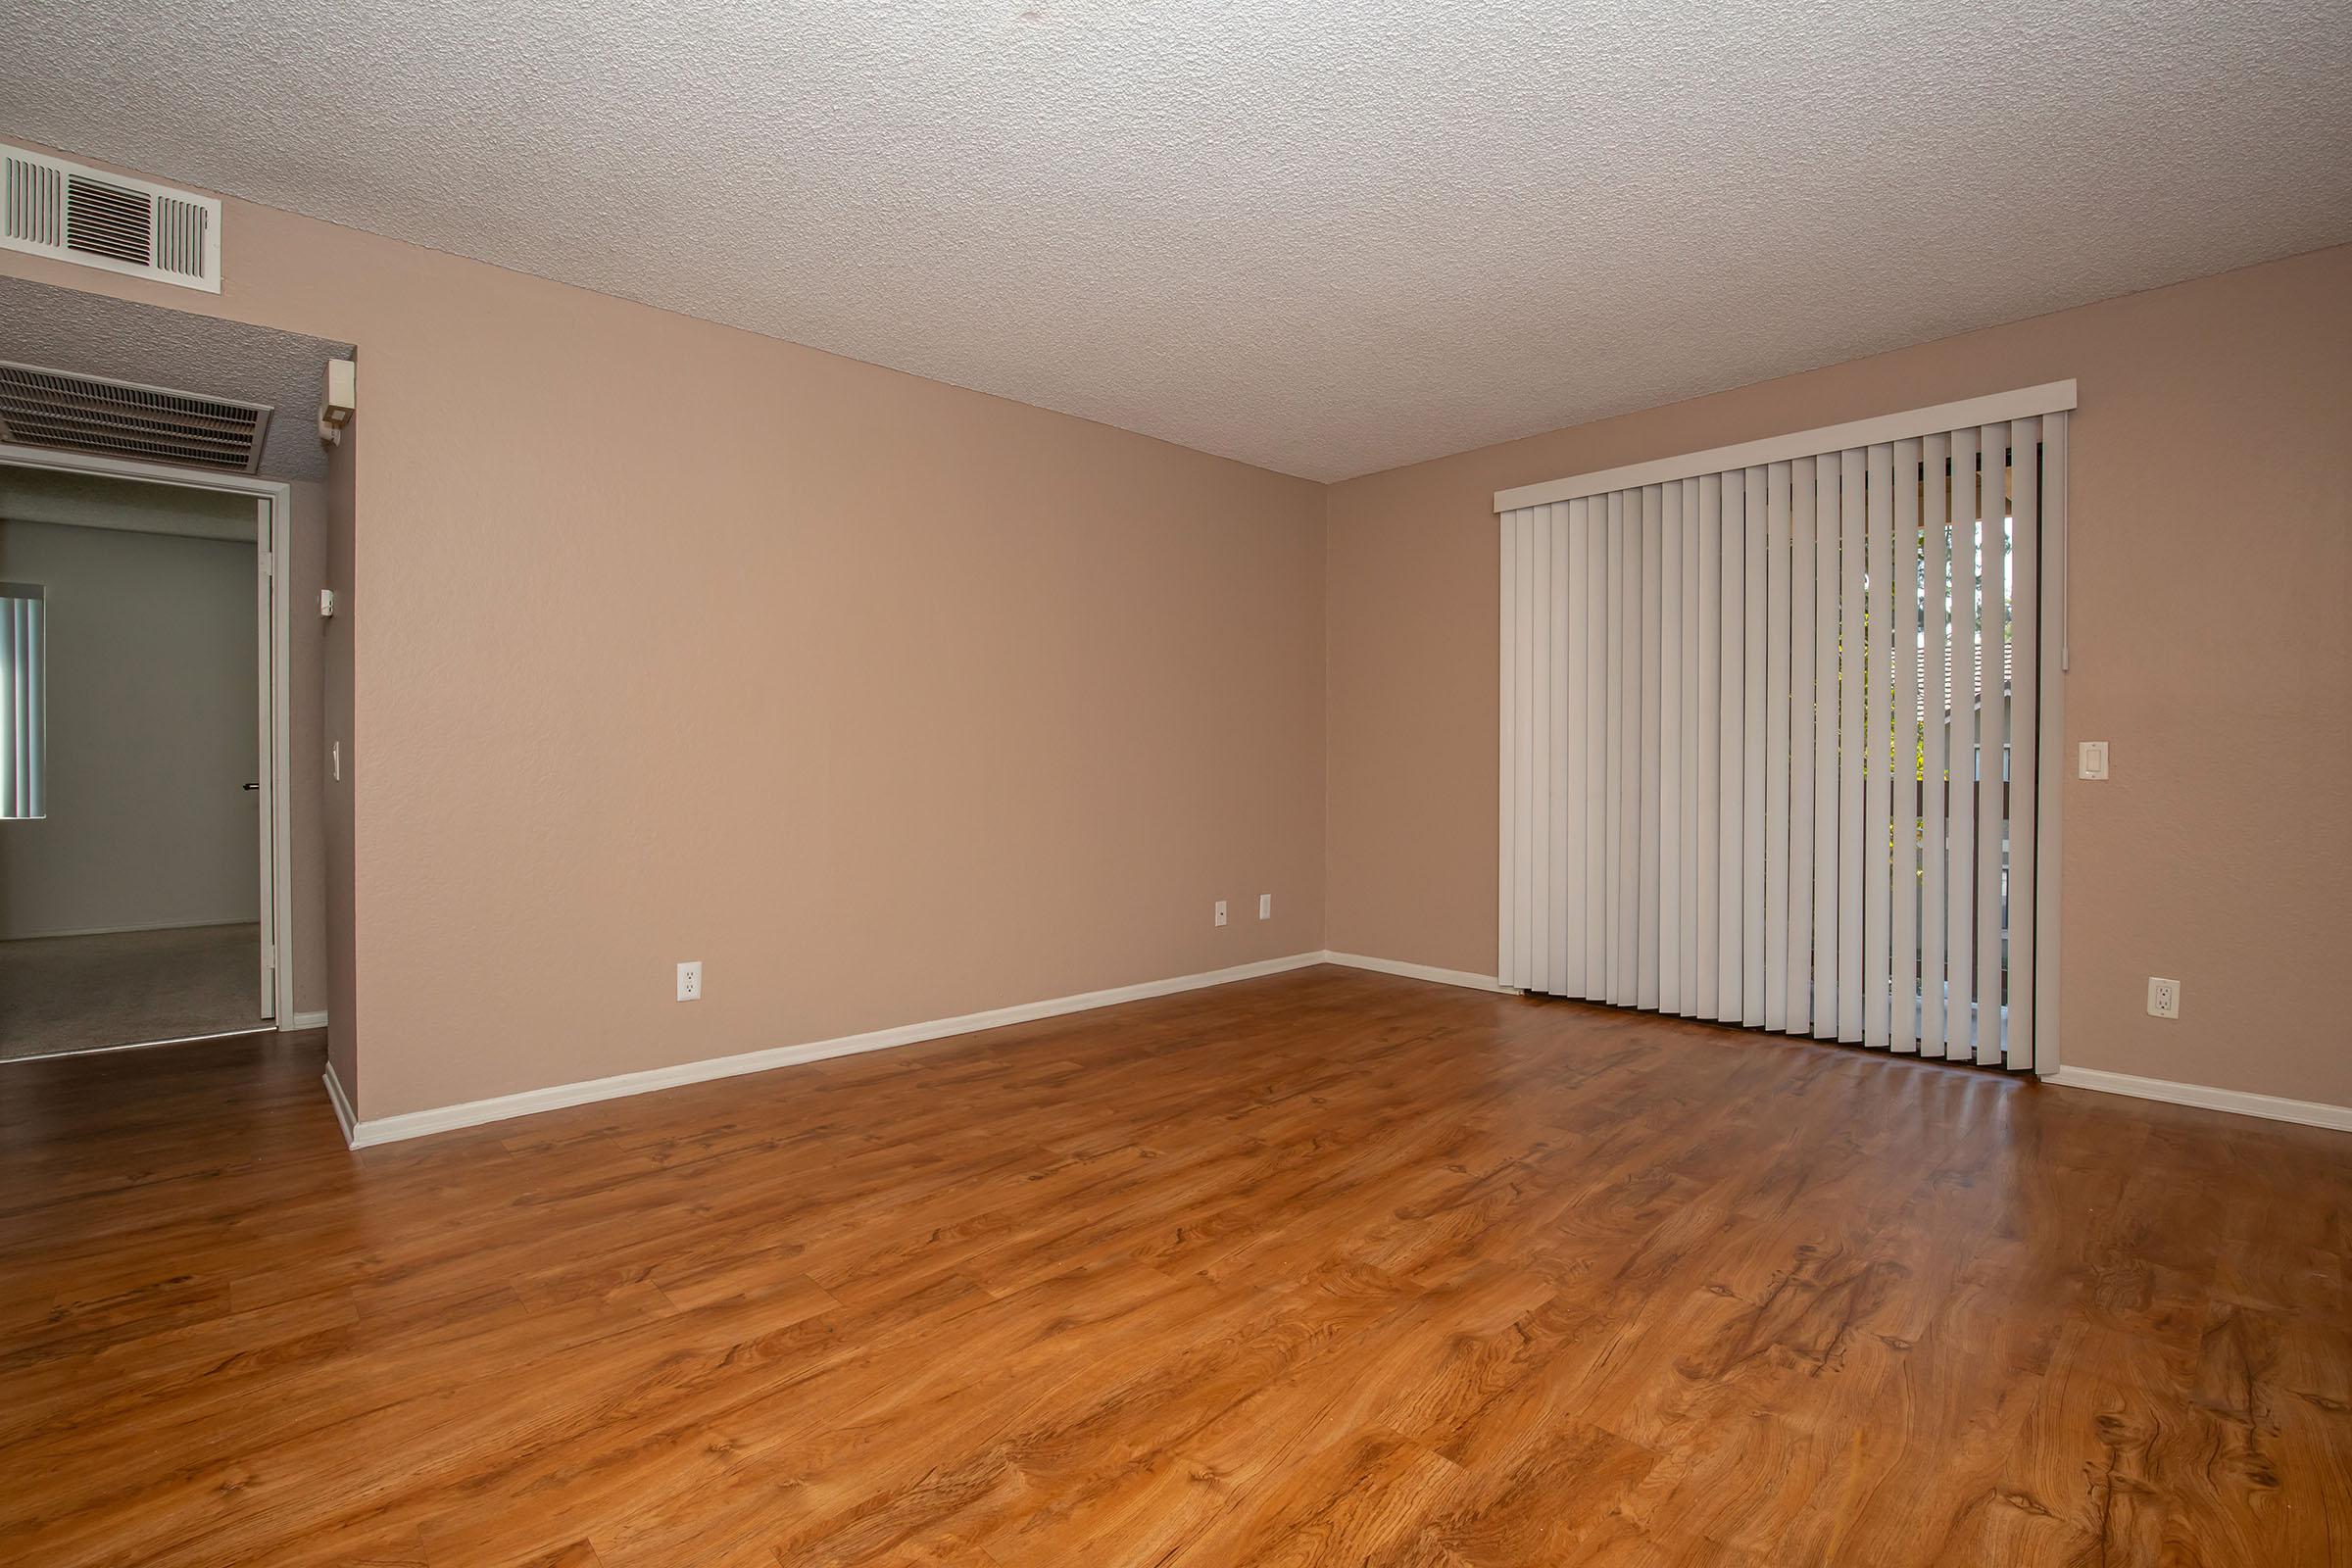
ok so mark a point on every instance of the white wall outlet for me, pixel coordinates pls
(2164, 998)
(2094, 760)
(334, 760)
(1220, 912)
(326, 604)
(1265, 906)
(690, 981)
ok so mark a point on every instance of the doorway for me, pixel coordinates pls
(145, 886)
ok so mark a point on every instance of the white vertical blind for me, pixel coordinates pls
(1853, 811)
(1652, 726)
(1878, 717)
(1670, 749)
(1757, 515)
(1569, 573)
(24, 720)
(1538, 667)
(1687, 1001)
(1935, 462)
(1709, 973)
(1773, 815)
(1827, 879)
(1563, 707)
(1903, 944)
(1992, 731)
(1960, 761)
(1769, 749)
(1802, 502)
(1731, 865)
(2025, 759)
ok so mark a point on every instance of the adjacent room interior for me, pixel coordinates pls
(1000, 786)
(131, 898)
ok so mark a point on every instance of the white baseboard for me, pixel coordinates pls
(1416, 971)
(2309, 1113)
(531, 1102)
(303, 1020)
(342, 1103)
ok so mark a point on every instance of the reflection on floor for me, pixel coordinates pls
(87, 993)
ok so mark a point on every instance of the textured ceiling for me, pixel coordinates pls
(94, 334)
(1323, 235)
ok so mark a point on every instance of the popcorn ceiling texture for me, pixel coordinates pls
(1325, 236)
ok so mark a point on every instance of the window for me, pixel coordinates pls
(1771, 726)
(23, 715)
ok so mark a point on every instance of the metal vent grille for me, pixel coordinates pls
(49, 207)
(125, 419)
(35, 203)
(181, 231)
(106, 219)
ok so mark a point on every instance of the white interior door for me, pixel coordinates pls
(265, 798)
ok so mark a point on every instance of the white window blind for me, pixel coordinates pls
(23, 726)
(1770, 730)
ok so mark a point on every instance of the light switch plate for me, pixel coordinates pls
(2093, 759)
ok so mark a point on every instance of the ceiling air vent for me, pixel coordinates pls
(49, 207)
(123, 419)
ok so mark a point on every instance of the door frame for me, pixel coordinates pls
(273, 536)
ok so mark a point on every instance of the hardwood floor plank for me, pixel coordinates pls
(1327, 1267)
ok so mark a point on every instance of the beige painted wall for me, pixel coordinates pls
(2212, 648)
(890, 701)
(886, 699)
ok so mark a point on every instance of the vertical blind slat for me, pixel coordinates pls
(1774, 822)
(1646, 931)
(1960, 824)
(1731, 868)
(1828, 877)
(1802, 610)
(1687, 1002)
(1752, 826)
(1538, 911)
(1670, 749)
(1597, 880)
(1624, 524)
(1852, 850)
(1935, 492)
(1903, 943)
(1709, 965)
(1522, 924)
(1569, 565)
(1992, 735)
(1614, 754)
(1562, 880)
(2025, 716)
(1878, 863)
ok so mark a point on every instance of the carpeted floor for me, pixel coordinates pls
(85, 992)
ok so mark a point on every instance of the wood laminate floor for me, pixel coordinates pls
(1327, 1267)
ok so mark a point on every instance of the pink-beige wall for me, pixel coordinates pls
(885, 700)
(2212, 648)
